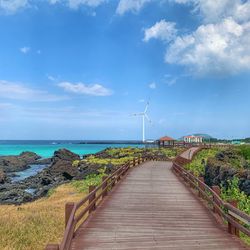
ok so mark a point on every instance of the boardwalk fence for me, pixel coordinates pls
(237, 220)
(76, 213)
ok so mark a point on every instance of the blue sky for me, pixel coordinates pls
(78, 69)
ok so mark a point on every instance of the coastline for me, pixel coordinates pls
(63, 167)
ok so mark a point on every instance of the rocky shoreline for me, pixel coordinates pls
(59, 170)
(221, 168)
(63, 167)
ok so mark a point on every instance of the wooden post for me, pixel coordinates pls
(112, 180)
(216, 189)
(104, 186)
(118, 175)
(190, 180)
(232, 229)
(200, 186)
(91, 198)
(68, 209)
(52, 247)
(134, 162)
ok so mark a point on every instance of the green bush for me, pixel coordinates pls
(75, 163)
(245, 151)
(197, 166)
(105, 161)
(232, 192)
(90, 180)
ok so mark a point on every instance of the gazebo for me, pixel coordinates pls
(166, 141)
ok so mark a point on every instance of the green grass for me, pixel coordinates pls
(90, 180)
(120, 156)
(32, 225)
(107, 161)
(124, 152)
(245, 151)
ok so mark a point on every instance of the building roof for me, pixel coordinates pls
(166, 138)
(192, 136)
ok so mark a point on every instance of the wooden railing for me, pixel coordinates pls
(76, 213)
(236, 220)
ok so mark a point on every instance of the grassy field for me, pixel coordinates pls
(31, 226)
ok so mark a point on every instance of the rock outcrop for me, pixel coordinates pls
(60, 171)
(224, 167)
(2, 177)
(18, 163)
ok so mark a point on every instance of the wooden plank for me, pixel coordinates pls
(238, 217)
(152, 209)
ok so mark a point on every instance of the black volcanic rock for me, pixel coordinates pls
(2, 177)
(15, 196)
(18, 163)
(62, 164)
(219, 170)
(64, 155)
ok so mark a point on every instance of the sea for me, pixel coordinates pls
(46, 149)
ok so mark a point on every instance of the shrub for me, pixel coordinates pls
(90, 180)
(197, 166)
(232, 192)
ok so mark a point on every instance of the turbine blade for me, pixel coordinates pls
(146, 108)
(147, 118)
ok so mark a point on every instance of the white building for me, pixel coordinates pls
(193, 139)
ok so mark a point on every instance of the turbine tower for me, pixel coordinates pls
(143, 115)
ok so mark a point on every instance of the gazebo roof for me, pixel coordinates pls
(166, 138)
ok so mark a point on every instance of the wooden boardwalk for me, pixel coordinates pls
(151, 209)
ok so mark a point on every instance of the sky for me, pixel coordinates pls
(80, 69)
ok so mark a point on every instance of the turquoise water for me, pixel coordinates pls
(47, 148)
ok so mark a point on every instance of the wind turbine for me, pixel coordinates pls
(143, 115)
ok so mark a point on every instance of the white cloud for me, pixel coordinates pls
(75, 4)
(213, 48)
(170, 80)
(52, 78)
(12, 6)
(152, 85)
(130, 5)
(214, 11)
(25, 50)
(162, 30)
(141, 100)
(221, 45)
(81, 88)
(18, 91)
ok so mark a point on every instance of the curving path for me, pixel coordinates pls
(152, 209)
(188, 154)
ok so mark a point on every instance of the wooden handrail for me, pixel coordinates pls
(102, 189)
(234, 216)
